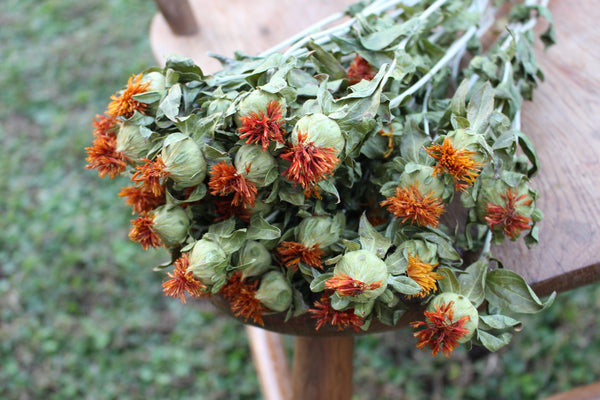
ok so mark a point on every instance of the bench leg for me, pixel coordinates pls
(322, 368)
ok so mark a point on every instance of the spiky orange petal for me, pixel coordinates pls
(124, 104)
(224, 207)
(507, 216)
(422, 273)
(143, 232)
(261, 127)
(225, 180)
(140, 199)
(325, 314)
(291, 254)
(104, 157)
(309, 164)
(442, 332)
(410, 205)
(240, 295)
(345, 285)
(152, 176)
(457, 162)
(182, 281)
(359, 69)
(103, 125)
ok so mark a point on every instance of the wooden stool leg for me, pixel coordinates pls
(271, 363)
(322, 368)
(179, 16)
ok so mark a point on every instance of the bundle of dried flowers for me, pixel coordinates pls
(315, 180)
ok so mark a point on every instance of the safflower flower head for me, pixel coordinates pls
(459, 163)
(360, 275)
(182, 281)
(123, 103)
(325, 314)
(225, 180)
(450, 319)
(359, 69)
(262, 127)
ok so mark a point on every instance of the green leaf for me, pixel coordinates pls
(260, 229)
(403, 284)
(383, 38)
(326, 62)
(188, 70)
(318, 283)
(372, 240)
(458, 102)
(233, 242)
(497, 321)
(529, 150)
(147, 97)
(508, 291)
(449, 283)
(480, 108)
(472, 282)
(491, 342)
(169, 106)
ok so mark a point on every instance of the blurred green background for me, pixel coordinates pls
(82, 315)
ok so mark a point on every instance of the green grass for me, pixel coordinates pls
(82, 315)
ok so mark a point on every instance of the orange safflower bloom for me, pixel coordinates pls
(410, 205)
(442, 332)
(103, 125)
(140, 199)
(240, 295)
(225, 180)
(324, 314)
(224, 207)
(124, 104)
(291, 254)
(345, 285)
(359, 69)
(507, 216)
(457, 162)
(182, 281)
(152, 176)
(143, 232)
(422, 273)
(310, 164)
(104, 157)
(261, 127)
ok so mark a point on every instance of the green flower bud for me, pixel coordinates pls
(507, 210)
(255, 258)
(208, 261)
(257, 101)
(365, 269)
(171, 224)
(157, 81)
(274, 291)
(130, 141)
(464, 139)
(462, 307)
(321, 130)
(323, 231)
(422, 176)
(185, 162)
(255, 164)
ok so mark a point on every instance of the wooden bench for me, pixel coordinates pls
(563, 122)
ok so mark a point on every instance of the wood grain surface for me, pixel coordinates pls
(563, 121)
(227, 26)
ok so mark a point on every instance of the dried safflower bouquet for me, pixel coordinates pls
(347, 177)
